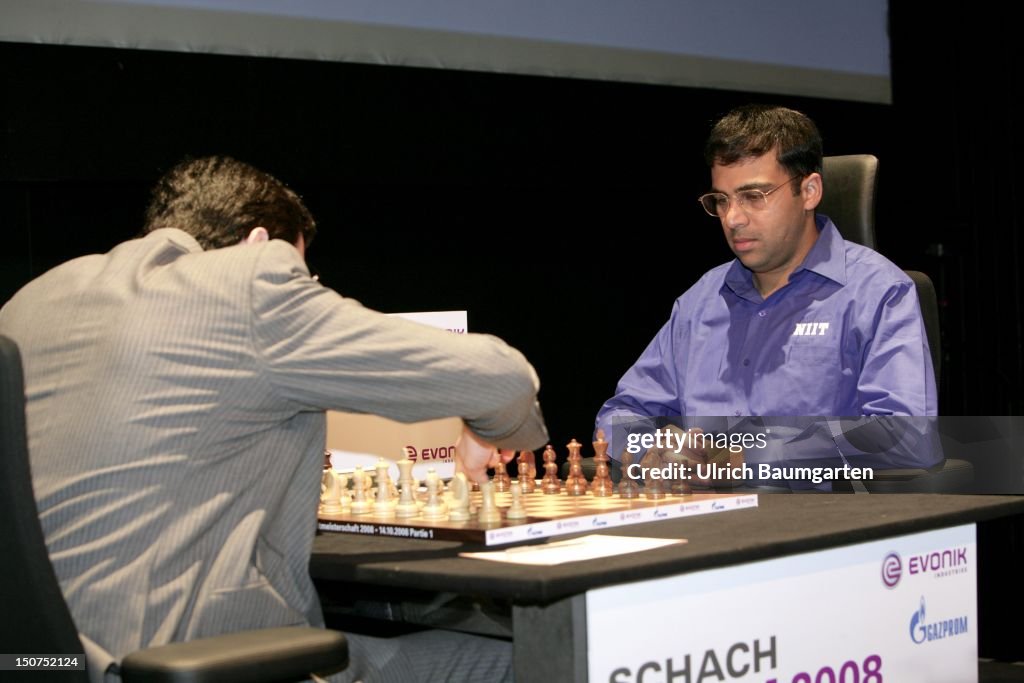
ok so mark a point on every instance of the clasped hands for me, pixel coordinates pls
(705, 466)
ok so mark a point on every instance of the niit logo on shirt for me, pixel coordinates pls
(810, 329)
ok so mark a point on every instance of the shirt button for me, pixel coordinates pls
(762, 313)
(746, 362)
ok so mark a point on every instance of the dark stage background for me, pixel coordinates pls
(456, 190)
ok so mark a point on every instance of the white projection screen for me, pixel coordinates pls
(818, 48)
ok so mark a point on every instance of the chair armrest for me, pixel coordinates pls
(949, 476)
(265, 655)
(899, 474)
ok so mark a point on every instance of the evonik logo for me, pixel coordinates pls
(940, 563)
(892, 569)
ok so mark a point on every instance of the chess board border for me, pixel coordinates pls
(505, 532)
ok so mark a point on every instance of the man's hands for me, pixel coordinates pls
(682, 447)
(473, 455)
(725, 461)
(685, 447)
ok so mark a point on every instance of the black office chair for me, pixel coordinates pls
(35, 618)
(851, 183)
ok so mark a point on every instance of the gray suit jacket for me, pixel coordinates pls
(176, 405)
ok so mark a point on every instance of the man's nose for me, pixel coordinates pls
(735, 217)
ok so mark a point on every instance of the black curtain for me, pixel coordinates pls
(956, 84)
(433, 189)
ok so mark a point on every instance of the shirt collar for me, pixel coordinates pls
(178, 237)
(827, 257)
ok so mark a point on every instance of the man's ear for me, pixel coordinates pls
(257, 234)
(812, 188)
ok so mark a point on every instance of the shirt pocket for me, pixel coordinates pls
(815, 375)
(820, 353)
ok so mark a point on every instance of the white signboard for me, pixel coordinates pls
(362, 439)
(903, 609)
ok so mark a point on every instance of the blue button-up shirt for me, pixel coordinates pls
(844, 337)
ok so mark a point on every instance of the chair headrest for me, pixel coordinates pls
(849, 196)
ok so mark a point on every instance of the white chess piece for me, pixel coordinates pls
(489, 512)
(516, 510)
(404, 471)
(385, 503)
(331, 491)
(459, 489)
(360, 505)
(344, 499)
(434, 507)
(407, 505)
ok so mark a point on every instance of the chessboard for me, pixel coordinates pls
(546, 515)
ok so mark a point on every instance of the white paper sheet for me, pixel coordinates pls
(574, 549)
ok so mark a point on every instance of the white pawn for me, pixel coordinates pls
(489, 512)
(516, 510)
(434, 507)
(344, 499)
(407, 505)
(360, 505)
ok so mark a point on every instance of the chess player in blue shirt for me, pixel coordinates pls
(801, 324)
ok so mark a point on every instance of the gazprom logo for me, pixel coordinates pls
(922, 631)
(892, 569)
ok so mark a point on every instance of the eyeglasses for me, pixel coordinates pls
(717, 203)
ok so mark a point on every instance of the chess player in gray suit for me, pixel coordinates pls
(176, 394)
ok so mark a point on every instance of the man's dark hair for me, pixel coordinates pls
(218, 200)
(756, 129)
